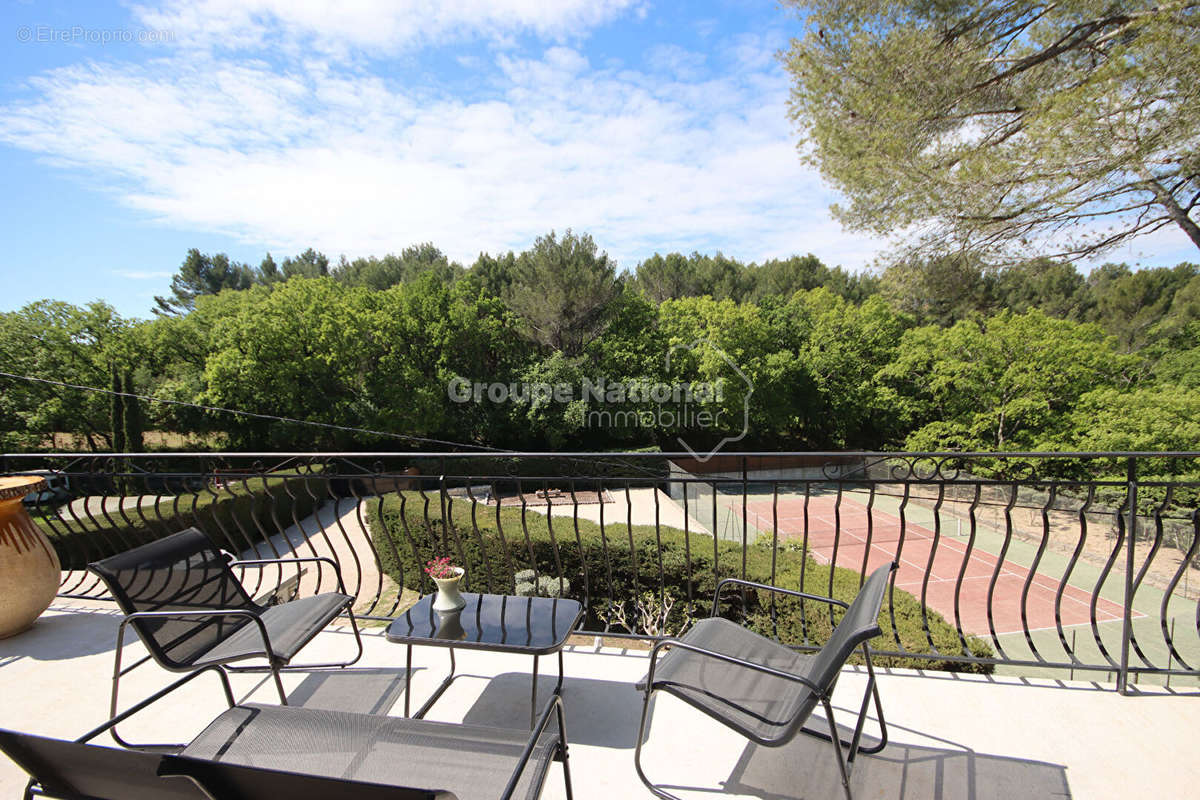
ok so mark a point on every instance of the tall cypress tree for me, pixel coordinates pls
(117, 412)
(134, 423)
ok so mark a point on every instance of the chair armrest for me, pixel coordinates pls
(129, 712)
(214, 612)
(262, 562)
(554, 704)
(682, 645)
(769, 588)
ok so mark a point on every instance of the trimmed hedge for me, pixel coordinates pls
(624, 563)
(235, 518)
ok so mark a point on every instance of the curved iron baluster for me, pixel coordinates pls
(1137, 581)
(716, 532)
(903, 513)
(508, 555)
(774, 555)
(862, 572)
(637, 586)
(583, 562)
(298, 523)
(525, 531)
(962, 571)
(804, 565)
(933, 550)
(447, 503)
(424, 582)
(1031, 573)
(483, 551)
(1164, 610)
(145, 510)
(1066, 578)
(1000, 557)
(254, 544)
(604, 549)
(359, 503)
(662, 576)
(1104, 572)
(553, 539)
(389, 535)
(336, 501)
(837, 535)
(745, 530)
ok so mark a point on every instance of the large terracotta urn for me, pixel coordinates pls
(29, 567)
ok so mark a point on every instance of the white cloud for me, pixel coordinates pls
(371, 25)
(321, 154)
(671, 59)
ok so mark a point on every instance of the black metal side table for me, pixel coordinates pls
(498, 623)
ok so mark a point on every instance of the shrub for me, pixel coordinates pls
(530, 584)
(601, 567)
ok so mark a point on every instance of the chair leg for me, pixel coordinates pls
(872, 691)
(637, 751)
(279, 683)
(116, 682)
(116, 678)
(836, 740)
(562, 734)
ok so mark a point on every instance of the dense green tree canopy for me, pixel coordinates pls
(948, 353)
(675, 276)
(1005, 383)
(1055, 287)
(998, 125)
(202, 274)
(1134, 305)
(65, 343)
(938, 290)
(563, 289)
(382, 273)
(309, 264)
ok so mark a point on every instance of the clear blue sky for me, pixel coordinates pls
(130, 132)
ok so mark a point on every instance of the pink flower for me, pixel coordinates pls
(441, 568)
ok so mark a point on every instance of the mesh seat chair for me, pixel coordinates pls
(190, 610)
(257, 752)
(761, 688)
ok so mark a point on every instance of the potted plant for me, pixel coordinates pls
(447, 577)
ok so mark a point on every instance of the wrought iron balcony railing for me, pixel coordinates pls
(1080, 562)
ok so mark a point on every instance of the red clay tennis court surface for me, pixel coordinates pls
(943, 574)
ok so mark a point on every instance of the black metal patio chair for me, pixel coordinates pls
(190, 610)
(761, 688)
(259, 752)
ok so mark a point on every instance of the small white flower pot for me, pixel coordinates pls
(448, 597)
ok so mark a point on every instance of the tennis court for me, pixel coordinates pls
(847, 532)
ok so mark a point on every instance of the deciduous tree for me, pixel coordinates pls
(1008, 382)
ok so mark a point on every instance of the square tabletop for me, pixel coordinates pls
(501, 623)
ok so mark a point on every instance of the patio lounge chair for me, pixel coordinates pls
(761, 688)
(190, 610)
(259, 752)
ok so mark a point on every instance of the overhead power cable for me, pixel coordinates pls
(252, 414)
(294, 421)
